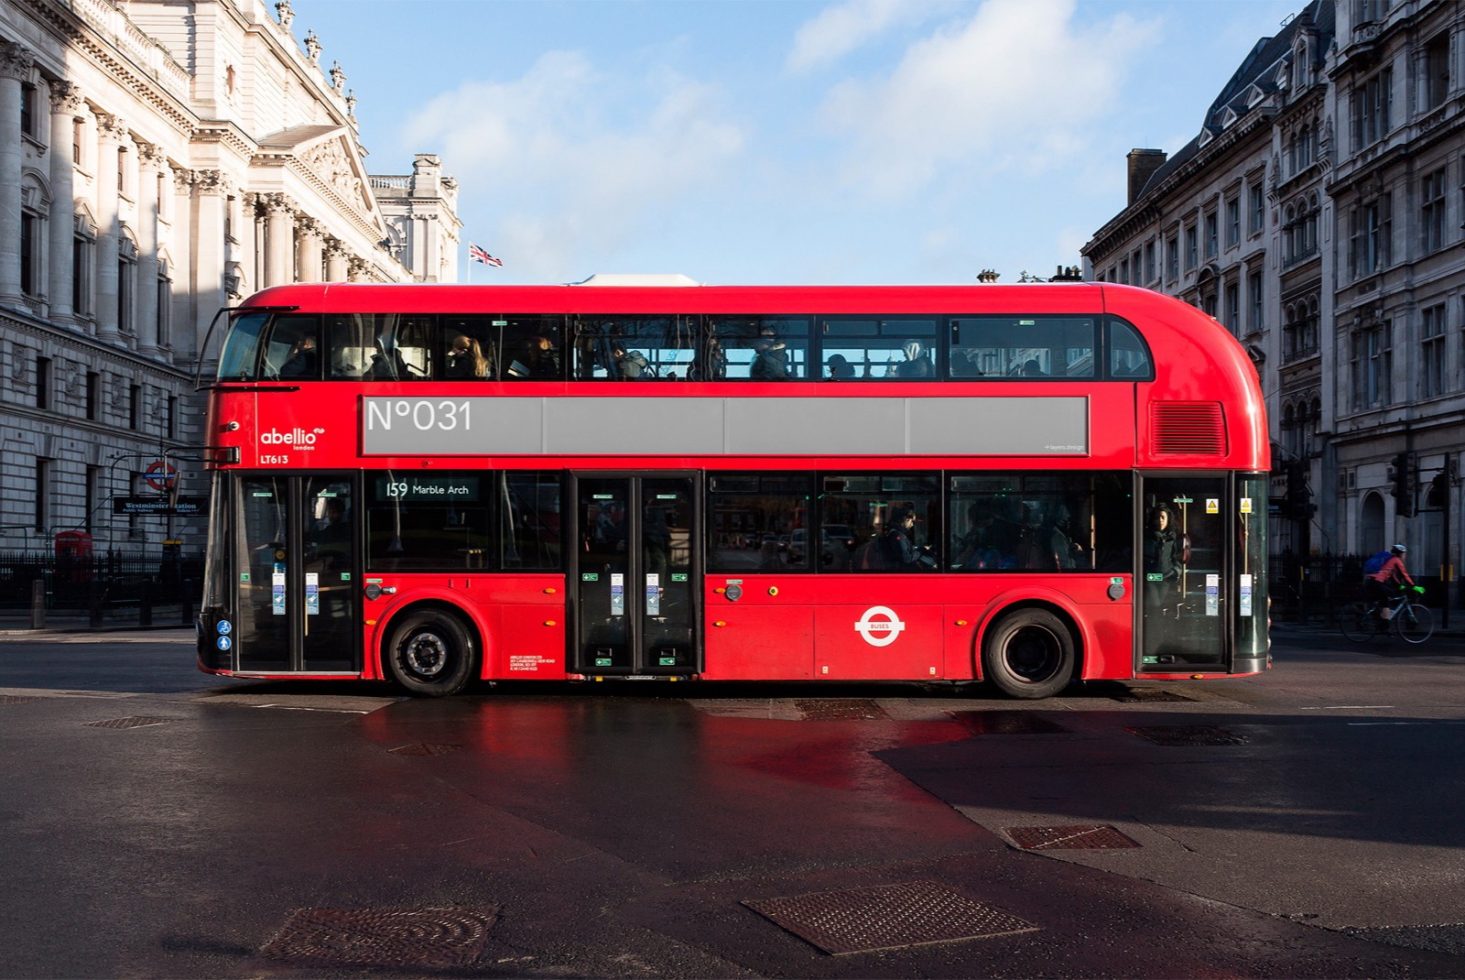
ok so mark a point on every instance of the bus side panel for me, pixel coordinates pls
(758, 643)
(530, 644)
(871, 643)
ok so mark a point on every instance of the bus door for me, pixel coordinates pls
(637, 574)
(1185, 600)
(295, 562)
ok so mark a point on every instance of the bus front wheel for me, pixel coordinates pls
(430, 654)
(1029, 653)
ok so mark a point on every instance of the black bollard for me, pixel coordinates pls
(145, 604)
(38, 604)
(186, 601)
(96, 603)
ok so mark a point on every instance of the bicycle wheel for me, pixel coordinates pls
(1357, 622)
(1414, 623)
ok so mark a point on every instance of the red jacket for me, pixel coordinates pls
(1393, 569)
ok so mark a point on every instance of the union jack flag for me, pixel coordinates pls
(478, 254)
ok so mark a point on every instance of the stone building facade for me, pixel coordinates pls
(1318, 215)
(159, 161)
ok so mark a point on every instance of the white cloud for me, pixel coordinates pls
(567, 164)
(1010, 88)
(842, 28)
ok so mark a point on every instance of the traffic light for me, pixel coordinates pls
(1402, 475)
(1438, 497)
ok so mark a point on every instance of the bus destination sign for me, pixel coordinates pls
(418, 489)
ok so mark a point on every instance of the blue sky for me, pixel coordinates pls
(783, 141)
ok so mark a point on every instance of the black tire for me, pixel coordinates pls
(1414, 622)
(430, 654)
(1358, 622)
(1029, 654)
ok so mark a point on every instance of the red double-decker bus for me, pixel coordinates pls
(1027, 485)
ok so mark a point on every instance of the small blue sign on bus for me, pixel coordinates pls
(225, 627)
(225, 643)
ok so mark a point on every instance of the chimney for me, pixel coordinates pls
(1142, 166)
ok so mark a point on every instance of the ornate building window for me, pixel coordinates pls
(1371, 104)
(1436, 72)
(1172, 258)
(83, 249)
(163, 325)
(1232, 292)
(1254, 298)
(34, 207)
(1212, 236)
(1371, 226)
(126, 284)
(1433, 374)
(1192, 248)
(1432, 211)
(1233, 222)
(28, 119)
(1373, 364)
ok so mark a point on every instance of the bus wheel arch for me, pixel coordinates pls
(1031, 650)
(431, 649)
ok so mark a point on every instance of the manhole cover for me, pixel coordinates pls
(424, 748)
(448, 937)
(835, 709)
(1100, 838)
(135, 721)
(16, 698)
(1186, 735)
(1149, 695)
(1008, 723)
(914, 913)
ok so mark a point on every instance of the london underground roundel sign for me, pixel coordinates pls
(880, 626)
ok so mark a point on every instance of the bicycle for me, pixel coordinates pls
(1364, 621)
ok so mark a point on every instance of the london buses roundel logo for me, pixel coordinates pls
(880, 626)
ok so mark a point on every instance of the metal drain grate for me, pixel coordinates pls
(835, 709)
(1187, 735)
(446, 937)
(1100, 838)
(913, 913)
(135, 721)
(1149, 695)
(17, 698)
(425, 748)
(1008, 723)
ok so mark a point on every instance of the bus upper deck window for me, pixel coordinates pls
(239, 359)
(1128, 356)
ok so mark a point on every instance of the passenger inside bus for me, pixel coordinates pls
(303, 361)
(840, 369)
(771, 361)
(917, 363)
(465, 359)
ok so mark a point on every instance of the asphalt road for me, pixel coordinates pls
(159, 822)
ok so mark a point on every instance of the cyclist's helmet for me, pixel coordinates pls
(1399, 549)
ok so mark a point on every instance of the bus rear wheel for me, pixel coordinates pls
(430, 654)
(1029, 654)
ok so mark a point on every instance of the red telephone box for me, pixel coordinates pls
(74, 556)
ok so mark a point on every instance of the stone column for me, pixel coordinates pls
(308, 249)
(210, 264)
(185, 269)
(336, 266)
(279, 240)
(15, 67)
(149, 159)
(112, 131)
(65, 107)
(359, 270)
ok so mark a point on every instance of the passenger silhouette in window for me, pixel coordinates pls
(840, 369)
(771, 361)
(465, 359)
(917, 363)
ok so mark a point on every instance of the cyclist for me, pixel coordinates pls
(1389, 580)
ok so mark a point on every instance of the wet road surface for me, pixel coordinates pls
(160, 822)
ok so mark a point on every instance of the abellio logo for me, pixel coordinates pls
(296, 438)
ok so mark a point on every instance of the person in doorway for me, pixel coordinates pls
(1161, 558)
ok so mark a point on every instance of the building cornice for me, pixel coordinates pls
(18, 325)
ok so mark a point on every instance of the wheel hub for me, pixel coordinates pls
(426, 655)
